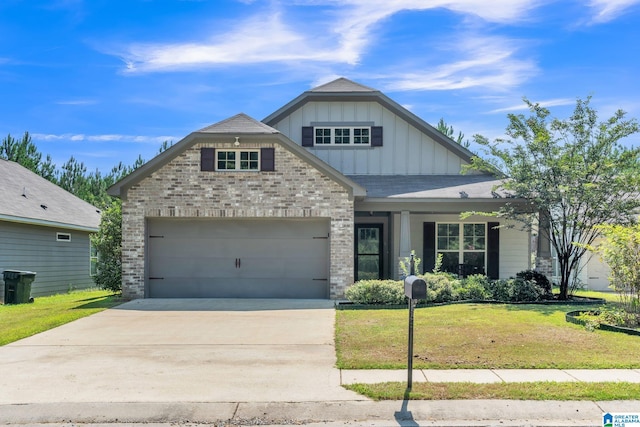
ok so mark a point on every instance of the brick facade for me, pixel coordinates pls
(294, 190)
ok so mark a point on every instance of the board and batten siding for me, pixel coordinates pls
(59, 266)
(514, 255)
(405, 150)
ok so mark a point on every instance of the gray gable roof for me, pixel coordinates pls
(346, 90)
(28, 198)
(342, 85)
(240, 125)
(430, 186)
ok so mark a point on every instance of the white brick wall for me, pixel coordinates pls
(179, 189)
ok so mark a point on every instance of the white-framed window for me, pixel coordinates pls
(342, 135)
(63, 237)
(462, 244)
(237, 160)
(93, 260)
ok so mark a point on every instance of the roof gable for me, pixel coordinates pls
(348, 91)
(342, 85)
(29, 198)
(240, 123)
(234, 127)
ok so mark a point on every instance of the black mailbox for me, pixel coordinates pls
(415, 287)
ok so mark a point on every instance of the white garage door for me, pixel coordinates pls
(205, 258)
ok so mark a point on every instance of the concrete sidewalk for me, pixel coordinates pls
(371, 376)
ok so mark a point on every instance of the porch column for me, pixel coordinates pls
(405, 234)
(544, 260)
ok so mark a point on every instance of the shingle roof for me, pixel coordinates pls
(429, 186)
(27, 197)
(240, 123)
(342, 85)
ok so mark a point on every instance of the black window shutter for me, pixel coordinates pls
(307, 136)
(267, 159)
(493, 250)
(207, 159)
(429, 247)
(376, 136)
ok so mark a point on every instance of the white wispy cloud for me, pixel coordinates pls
(77, 102)
(489, 62)
(142, 139)
(608, 10)
(344, 34)
(522, 106)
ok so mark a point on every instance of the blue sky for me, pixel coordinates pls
(106, 80)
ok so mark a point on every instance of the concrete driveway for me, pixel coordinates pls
(160, 350)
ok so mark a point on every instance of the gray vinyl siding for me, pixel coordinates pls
(405, 150)
(59, 266)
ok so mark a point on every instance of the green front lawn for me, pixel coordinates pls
(23, 320)
(479, 336)
(510, 391)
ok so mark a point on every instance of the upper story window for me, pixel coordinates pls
(240, 160)
(234, 160)
(342, 135)
(352, 134)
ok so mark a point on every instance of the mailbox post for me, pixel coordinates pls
(415, 288)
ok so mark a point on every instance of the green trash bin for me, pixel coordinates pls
(17, 286)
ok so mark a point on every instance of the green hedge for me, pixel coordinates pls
(446, 287)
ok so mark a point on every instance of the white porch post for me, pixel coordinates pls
(405, 234)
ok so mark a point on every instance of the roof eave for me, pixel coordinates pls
(46, 223)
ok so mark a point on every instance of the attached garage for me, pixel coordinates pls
(238, 258)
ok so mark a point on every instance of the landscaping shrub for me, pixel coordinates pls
(542, 283)
(525, 290)
(515, 290)
(441, 287)
(475, 287)
(376, 292)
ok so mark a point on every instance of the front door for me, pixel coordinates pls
(368, 252)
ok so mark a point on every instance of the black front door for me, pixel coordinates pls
(368, 252)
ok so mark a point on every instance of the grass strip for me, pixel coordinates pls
(560, 391)
(24, 320)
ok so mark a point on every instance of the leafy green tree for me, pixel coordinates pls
(448, 131)
(108, 242)
(25, 153)
(620, 249)
(574, 172)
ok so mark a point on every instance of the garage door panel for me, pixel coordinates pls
(235, 258)
(175, 287)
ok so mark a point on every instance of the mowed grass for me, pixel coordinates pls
(511, 391)
(479, 336)
(23, 320)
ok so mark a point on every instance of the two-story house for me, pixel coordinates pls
(335, 186)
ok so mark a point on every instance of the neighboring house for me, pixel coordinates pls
(335, 186)
(45, 229)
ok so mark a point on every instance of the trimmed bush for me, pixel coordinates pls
(542, 283)
(376, 292)
(441, 287)
(475, 287)
(515, 290)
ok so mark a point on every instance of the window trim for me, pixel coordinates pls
(238, 152)
(333, 137)
(60, 238)
(93, 259)
(461, 247)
